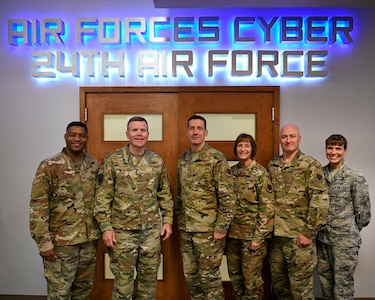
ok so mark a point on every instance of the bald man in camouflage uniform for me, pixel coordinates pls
(349, 211)
(61, 217)
(301, 208)
(133, 200)
(205, 206)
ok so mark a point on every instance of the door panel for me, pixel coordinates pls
(176, 105)
(101, 104)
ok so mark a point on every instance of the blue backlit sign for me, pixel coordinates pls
(184, 48)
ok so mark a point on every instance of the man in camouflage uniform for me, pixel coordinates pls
(205, 204)
(349, 211)
(301, 208)
(252, 223)
(133, 199)
(61, 217)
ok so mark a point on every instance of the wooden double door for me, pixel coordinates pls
(175, 105)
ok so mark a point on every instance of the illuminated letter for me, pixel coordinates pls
(184, 30)
(267, 27)
(286, 61)
(341, 26)
(35, 32)
(106, 64)
(90, 54)
(61, 67)
(148, 60)
(271, 62)
(153, 22)
(313, 32)
(53, 28)
(139, 30)
(248, 57)
(211, 60)
(237, 24)
(184, 63)
(317, 63)
(164, 63)
(18, 29)
(212, 33)
(108, 26)
(82, 31)
(291, 29)
(49, 62)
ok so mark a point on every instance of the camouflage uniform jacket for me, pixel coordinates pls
(205, 196)
(301, 197)
(62, 202)
(349, 207)
(253, 219)
(131, 195)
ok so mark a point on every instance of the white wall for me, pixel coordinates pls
(33, 117)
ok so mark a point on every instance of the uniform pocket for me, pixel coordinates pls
(52, 270)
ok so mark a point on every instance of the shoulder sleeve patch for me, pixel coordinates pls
(319, 178)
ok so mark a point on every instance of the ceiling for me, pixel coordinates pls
(261, 3)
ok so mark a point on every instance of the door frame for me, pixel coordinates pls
(273, 117)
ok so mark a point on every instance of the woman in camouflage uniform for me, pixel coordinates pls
(349, 211)
(252, 222)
